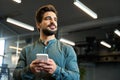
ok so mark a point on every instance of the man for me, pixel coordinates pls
(62, 62)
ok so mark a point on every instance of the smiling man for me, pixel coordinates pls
(62, 62)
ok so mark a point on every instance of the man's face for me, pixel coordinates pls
(49, 23)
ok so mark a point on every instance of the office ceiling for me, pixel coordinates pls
(74, 24)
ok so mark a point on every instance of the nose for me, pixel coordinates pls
(52, 20)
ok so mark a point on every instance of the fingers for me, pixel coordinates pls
(49, 67)
(37, 66)
(37, 69)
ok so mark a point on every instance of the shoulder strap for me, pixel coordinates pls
(60, 45)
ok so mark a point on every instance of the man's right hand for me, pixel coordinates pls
(35, 66)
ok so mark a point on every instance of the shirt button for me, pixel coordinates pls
(45, 47)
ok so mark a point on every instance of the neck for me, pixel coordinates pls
(46, 38)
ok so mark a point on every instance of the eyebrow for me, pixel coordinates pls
(50, 17)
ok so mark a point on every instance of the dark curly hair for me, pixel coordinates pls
(40, 12)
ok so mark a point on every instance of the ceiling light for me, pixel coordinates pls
(105, 44)
(85, 9)
(18, 1)
(13, 47)
(67, 41)
(117, 32)
(18, 23)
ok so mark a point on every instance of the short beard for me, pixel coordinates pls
(49, 32)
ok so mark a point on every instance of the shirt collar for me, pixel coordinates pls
(49, 42)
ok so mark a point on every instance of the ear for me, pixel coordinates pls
(38, 25)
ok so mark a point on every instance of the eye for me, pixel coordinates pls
(50, 18)
(47, 18)
(55, 19)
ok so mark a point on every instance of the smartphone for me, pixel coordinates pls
(43, 57)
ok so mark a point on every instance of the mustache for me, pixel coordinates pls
(51, 24)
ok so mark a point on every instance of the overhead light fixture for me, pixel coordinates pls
(13, 47)
(105, 44)
(21, 24)
(117, 32)
(67, 41)
(18, 1)
(85, 9)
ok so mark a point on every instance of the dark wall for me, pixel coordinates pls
(107, 71)
(102, 71)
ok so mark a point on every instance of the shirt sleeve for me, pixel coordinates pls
(21, 72)
(71, 70)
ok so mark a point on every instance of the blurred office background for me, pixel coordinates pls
(96, 61)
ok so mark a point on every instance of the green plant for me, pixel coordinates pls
(82, 73)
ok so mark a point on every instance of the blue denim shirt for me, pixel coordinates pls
(63, 55)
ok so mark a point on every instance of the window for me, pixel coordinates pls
(2, 45)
